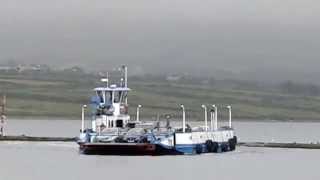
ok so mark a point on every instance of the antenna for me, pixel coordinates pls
(125, 68)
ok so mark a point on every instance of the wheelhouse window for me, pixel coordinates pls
(120, 96)
(108, 95)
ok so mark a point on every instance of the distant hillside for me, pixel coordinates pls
(52, 94)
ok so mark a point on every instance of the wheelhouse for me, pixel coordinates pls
(110, 107)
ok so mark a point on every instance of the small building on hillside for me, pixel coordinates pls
(173, 78)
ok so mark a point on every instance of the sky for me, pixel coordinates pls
(251, 39)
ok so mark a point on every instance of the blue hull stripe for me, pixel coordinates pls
(192, 148)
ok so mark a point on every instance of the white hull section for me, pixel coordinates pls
(202, 137)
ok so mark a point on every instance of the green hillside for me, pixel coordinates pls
(61, 95)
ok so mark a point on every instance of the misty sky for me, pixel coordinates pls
(242, 36)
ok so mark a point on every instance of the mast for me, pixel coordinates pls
(125, 69)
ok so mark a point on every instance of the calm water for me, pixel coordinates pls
(52, 161)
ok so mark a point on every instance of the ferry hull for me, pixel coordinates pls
(139, 149)
(126, 149)
(117, 148)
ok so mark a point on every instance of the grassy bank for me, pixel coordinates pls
(51, 95)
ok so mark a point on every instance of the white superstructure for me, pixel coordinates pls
(109, 107)
(112, 111)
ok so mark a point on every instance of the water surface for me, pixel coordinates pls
(52, 160)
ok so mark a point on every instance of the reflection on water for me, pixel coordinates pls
(54, 160)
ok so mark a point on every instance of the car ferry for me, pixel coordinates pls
(113, 133)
